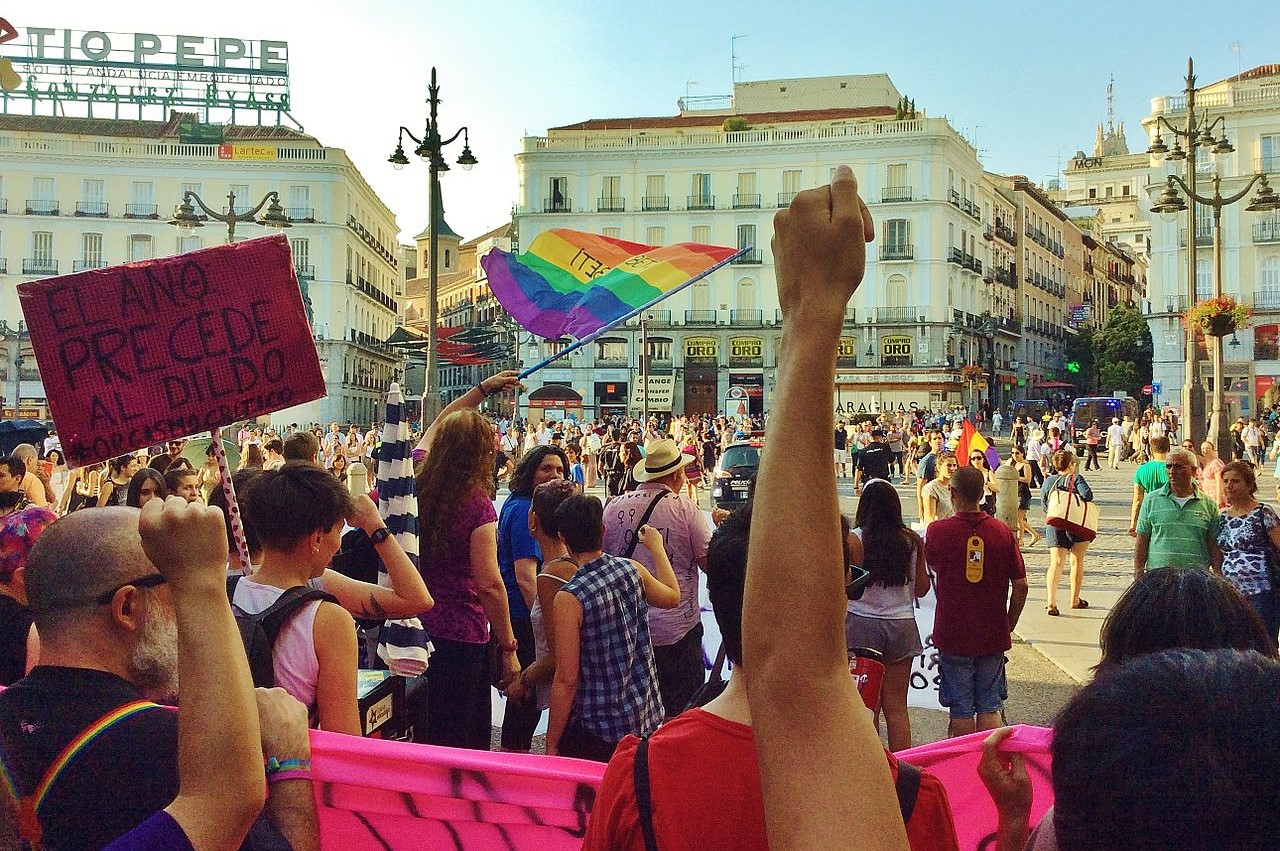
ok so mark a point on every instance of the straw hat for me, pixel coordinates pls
(661, 458)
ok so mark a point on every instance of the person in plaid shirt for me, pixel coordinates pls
(606, 682)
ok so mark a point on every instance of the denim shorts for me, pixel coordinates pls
(972, 684)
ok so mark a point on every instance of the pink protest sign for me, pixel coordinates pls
(136, 354)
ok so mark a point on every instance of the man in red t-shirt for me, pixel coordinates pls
(976, 562)
(703, 776)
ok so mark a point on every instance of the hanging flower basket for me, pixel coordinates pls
(1218, 317)
(970, 372)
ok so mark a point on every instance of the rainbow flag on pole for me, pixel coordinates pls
(971, 439)
(575, 283)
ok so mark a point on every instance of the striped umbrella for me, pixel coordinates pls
(402, 644)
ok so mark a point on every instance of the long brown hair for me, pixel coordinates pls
(888, 544)
(460, 461)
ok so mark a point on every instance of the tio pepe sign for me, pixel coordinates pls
(134, 355)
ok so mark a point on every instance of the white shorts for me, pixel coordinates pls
(841, 456)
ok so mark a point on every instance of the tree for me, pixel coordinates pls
(1080, 351)
(1123, 349)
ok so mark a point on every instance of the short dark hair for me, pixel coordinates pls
(115, 465)
(521, 483)
(301, 446)
(134, 495)
(297, 500)
(242, 481)
(174, 475)
(547, 498)
(1184, 743)
(1160, 443)
(1180, 608)
(15, 465)
(580, 521)
(727, 577)
(274, 445)
(968, 483)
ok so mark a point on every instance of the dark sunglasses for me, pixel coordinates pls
(151, 580)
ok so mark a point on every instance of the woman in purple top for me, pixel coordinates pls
(458, 535)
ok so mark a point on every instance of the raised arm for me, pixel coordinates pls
(498, 383)
(661, 589)
(221, 785)
(814, 738)
(407, 597)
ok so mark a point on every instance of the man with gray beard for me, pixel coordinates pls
(109, 643)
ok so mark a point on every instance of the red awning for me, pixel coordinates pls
(1054, 385)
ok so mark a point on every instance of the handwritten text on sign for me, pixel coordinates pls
(134, 355)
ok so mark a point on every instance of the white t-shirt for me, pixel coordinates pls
(1115, 435)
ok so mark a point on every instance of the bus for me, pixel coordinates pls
(1086, 409)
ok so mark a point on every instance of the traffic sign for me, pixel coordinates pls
(1156, 388)
(1146, 390)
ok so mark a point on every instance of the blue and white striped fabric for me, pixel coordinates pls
(402, 644)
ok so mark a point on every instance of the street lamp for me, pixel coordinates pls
(431, 148)
(1199, 134)
(186, 220)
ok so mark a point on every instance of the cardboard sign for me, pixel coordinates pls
(136, 354)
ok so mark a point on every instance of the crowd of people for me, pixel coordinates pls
(587, 609)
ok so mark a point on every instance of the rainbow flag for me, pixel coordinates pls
(970, 440)
(575, 283)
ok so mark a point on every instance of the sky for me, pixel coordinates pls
(1026, 81)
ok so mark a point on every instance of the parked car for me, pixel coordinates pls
(735, 473)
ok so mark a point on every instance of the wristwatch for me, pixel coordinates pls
(379, 536)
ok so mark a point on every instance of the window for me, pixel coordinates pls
(1270, 149)
(140, 247)
(42, 246)
(655, 185)
(1269, 277)
(91, 251)
(896, 177)
(611, 188)
(700, 189)
(299, 208)
(447, 258)
(747, 237)
(897, 233)
(1124, 190)
(700, 297)
(659, 349)
(142, 192)
(896, 291)
(1204, 279)
(610, 349)
(746, 183)
(241, 191)
(42, 188)
(197, 188)
(655, 236)
(94, 198)
(791, 181)
(745, 297)
(1109, 191)
(189, 243)
(301, 252)
(612, 233)
(558, 196)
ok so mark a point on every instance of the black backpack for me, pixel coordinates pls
(259, 632)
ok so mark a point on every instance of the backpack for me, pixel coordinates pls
(259, 632)
(611, 459)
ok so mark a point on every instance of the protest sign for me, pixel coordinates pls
(136, 354)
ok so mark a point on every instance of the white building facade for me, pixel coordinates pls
(927, 306)
(83, 193)
(1250, 105)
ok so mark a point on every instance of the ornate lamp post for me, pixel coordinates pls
(1198, 133)
(430, 148)
(186, 220)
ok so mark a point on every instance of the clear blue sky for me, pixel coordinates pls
(1028, 79)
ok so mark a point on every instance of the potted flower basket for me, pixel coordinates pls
(971, 372)
(1218, 317)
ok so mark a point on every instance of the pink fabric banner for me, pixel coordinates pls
(375, 794)
(955, 763)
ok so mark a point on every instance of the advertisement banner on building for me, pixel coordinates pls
(1262, 384)
(134, 355)
(895, 350)
(251, 153)
(746, 351)
(662, 390)
(1266, 342)
(701, 350)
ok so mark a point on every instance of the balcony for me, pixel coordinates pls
(39, 266)
(1010, 325)
(897, 315)
(897, 194)
(557, 205)
(94, 209)
(956, 256)
(784, 199)
(85, 265)
(746, 202)
(751, 258)
(1009, 235)
(4, 266)
(971, 209)
(701, 317)
(1175, 304)
(1266, 231)
(611, 205)
(955, 199)
(702, 202)
(655, 203)
(4, 205)
(1267, 299)
(614, 363)
(141, 211)
(753, 318)
(368, 289)
(38, 207)
(304, 272)
(898, 251)
(1008, 277)
(657, 317)
(850, 316)
(1204, 236)
(1269, 164)
(301, 214)
(369, 341)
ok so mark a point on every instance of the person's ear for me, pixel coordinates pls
(126, 608)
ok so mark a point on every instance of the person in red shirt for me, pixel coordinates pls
(702, 770)
(976, 562)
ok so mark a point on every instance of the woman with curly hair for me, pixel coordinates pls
(459, 557)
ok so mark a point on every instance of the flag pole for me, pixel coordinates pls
(594, 335)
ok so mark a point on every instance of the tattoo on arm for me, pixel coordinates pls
(373, 610)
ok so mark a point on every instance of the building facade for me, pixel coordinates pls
(84, 193)
(927, 306)
(1250, 105)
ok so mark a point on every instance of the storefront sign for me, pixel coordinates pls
(662, 389)
(253, 153)
(895, 350)
(746, 351)
(95, 67)
(701, 350)
(1266, 342)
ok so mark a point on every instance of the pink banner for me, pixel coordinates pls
(378, 795)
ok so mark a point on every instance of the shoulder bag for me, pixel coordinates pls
(1071, 514)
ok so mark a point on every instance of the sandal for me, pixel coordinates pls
(1053, 611)
(1082, 603)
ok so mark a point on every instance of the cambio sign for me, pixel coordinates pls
(145, 68)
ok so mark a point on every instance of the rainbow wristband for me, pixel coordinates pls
(275, 767)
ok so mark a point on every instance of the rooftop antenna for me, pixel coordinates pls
(735, 66)
(689, 84)
(1234, 47)
(1111, 111)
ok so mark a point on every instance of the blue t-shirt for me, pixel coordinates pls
(577, 475)
(515, 542)
(158, 833)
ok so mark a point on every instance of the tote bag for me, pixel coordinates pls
(1068, 512)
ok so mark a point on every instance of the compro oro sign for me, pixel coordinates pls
(662, 389)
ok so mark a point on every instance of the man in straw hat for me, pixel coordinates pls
(677, 633)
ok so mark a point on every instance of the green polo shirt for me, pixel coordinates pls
(1178, 535)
